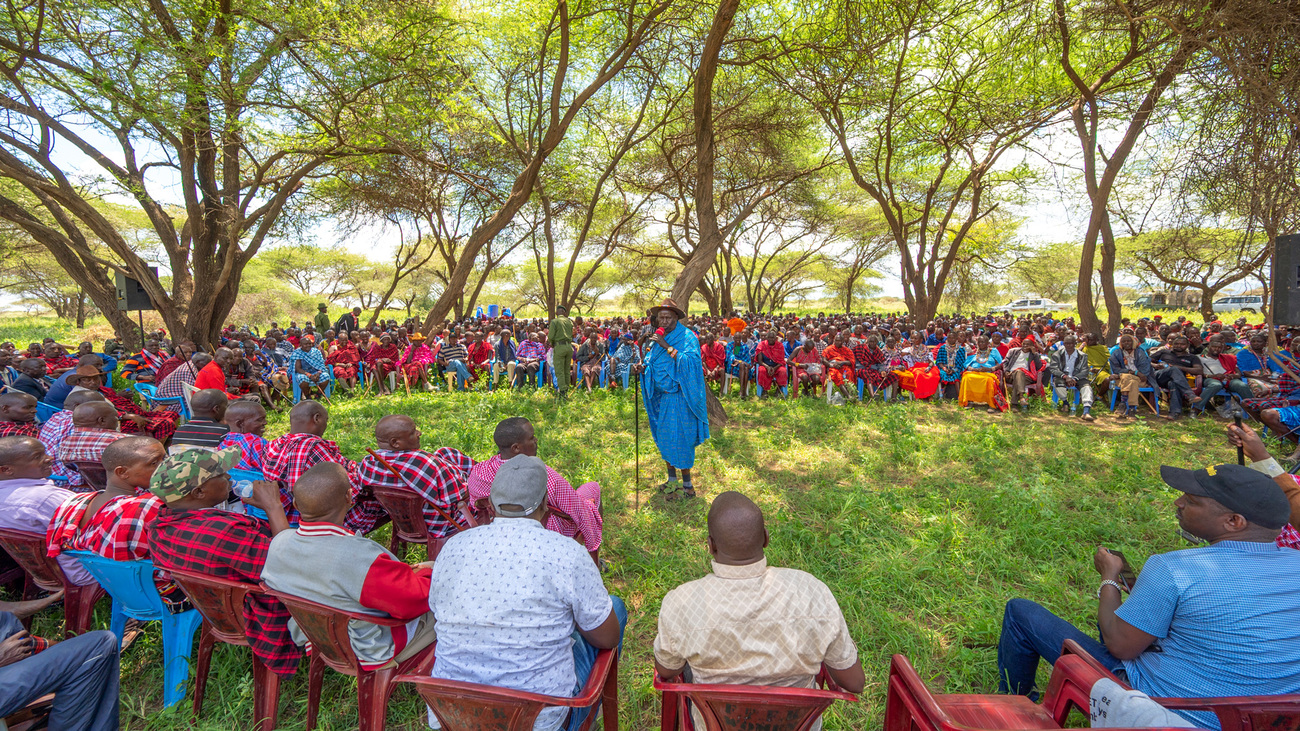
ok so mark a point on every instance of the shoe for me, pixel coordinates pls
(1088, 417)
(1121, 416)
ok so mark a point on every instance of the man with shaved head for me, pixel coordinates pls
(289, 457)
(362, 575)
(30, 500)
(58, 427)
(247, 422)
(440, 477)
(205, 428)
(213, 375)
(94, 427)
(751, 624)
(18, 415)
(514, 437)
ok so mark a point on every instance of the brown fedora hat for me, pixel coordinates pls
(668, 304)
(88, 370)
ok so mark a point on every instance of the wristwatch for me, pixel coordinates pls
(1115, 584)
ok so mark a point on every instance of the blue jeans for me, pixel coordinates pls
(1211, 387)
(584, 657)
(1030, 632)
(82, 673)
(462, 373)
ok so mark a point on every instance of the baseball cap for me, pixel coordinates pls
(183, 472)
(520, 482)
(1240, 489)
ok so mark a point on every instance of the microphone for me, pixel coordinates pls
(660, 332)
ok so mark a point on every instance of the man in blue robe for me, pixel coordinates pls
(672, 388)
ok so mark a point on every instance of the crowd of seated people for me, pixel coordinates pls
(996, 362)
(513, 600)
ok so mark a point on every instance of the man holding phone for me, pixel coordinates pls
(1222, 620)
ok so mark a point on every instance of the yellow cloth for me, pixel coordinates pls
(977, 388)
(906, 380)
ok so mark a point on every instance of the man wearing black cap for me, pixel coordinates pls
(1222, 620)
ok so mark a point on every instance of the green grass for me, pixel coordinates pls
(923, 520)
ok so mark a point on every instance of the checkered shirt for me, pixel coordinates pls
(530, 349)
(53, 432)
(252, 449)
(1289, 538)
(230, 546)
(559, 494)
(116, 532)
(440, 478)
(291, 455)
(20, 429)
(87, 445)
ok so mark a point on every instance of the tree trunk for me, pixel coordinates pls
(81, 308)
(706, 215)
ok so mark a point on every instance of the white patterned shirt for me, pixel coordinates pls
(506, 597)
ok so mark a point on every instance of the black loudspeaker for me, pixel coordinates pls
(130, 295)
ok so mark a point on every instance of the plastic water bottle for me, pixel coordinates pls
(244, 489)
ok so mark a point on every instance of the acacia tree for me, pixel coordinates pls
(923, 98)
(207, 116)
(528, 91)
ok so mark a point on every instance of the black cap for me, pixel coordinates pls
(1242, 490)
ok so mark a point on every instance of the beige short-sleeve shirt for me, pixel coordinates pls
(754, 625)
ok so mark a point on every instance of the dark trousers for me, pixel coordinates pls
(81, 673)
(1030, 632)
(1179, 389)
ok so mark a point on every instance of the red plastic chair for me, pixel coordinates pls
(472, 707)
(484, 514)
(327, 628)
(1242, 713)
(909, 705)
(746, 706)
(406, 508)
(43, 571)
(221, 602)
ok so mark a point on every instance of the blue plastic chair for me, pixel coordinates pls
(1114, 396)
(44, 411)
(1056, 400)
(130, 584)
(297, 392)
(149, 393)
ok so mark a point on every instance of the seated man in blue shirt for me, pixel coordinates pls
(1222, 620)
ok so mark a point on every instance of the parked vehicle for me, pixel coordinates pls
(1031, 304)
(1242, 302)
(1180, 299)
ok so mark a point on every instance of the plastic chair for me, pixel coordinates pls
(327, 629)
(909, 705)
(31, 717)
(1078, 672)
(221, 602)
(746, 706)
(131, 585)
(328, 388)
(92, 473)
(44, 411)
(44, 572)
(149, 393)
(463, 706)
(405, 507)
(252, 476)
(1056, 399)
(1115, 393)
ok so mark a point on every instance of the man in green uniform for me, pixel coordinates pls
(560, 336)
(322, 321)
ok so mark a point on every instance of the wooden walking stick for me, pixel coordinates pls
(406, 381)
(636, 421)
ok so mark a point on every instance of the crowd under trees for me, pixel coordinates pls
(744, 154)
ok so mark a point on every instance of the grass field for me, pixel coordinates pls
(923, 520)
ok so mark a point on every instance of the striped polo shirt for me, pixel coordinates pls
(1226, 618)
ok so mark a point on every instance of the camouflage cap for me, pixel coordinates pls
(183, 472)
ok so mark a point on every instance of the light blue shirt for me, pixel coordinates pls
(506, 597)
(1227, 622)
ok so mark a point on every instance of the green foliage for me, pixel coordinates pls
(923, 519)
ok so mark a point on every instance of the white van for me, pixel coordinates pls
(1240, 302)
(1030, 304)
